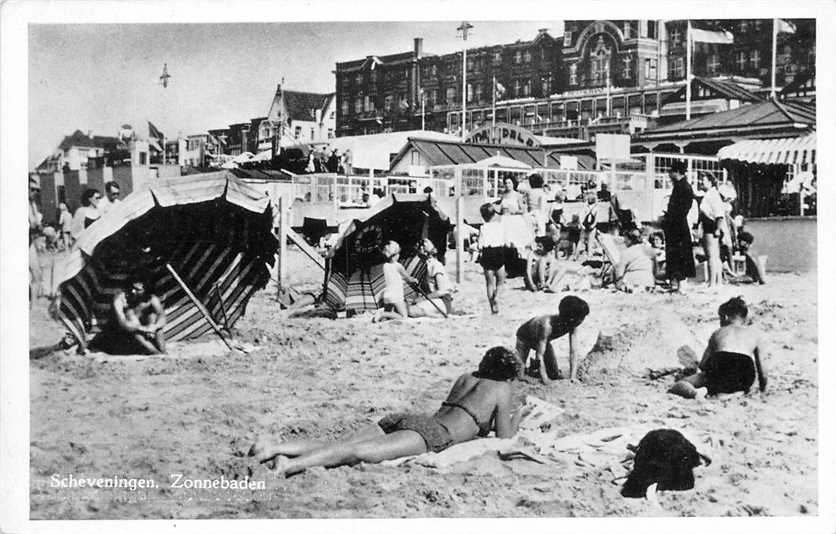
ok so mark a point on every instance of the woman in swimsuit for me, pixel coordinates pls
(511, 201)
(478, 403)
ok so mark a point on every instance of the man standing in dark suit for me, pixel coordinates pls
(678, 246)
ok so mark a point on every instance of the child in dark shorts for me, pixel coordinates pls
(495, 254)
(733, 359)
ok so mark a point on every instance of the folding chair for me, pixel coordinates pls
(612, 254)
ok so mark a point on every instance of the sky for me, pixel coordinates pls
(96, 77)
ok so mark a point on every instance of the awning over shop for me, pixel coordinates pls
(784, 151)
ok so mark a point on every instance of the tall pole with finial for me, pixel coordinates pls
(464, 28)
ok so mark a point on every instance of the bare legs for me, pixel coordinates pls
(401, 311)
(715, 266)
(687, 387)
(371, 446)
(493, 284)
(265, 450)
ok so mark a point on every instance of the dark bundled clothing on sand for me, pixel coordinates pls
(664, 457)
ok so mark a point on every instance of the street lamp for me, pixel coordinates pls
(464, 29)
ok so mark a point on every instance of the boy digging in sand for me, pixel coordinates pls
(538, 333)
(733, 358)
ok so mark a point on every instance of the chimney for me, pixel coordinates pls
(418, 49)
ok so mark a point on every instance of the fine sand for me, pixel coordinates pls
(317, 377)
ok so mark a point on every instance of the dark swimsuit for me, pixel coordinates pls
(728, 372)
(434, 433)
(484, 428)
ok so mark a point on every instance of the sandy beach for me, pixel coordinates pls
(317, 377)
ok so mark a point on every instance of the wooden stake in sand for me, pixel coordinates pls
(201, 308)
(281, 263)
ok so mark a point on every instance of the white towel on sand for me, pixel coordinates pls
(602, 449)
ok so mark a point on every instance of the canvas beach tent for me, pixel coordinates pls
(354, 270)
(213, 230)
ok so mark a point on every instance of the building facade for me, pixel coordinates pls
(600, 76)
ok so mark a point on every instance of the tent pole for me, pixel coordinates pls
(281, 264)
(200, 307)
(459, 227)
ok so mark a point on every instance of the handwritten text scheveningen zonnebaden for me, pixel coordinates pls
(176, 480)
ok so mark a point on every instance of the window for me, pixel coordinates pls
(652, 29)
(470, 92)
(517, 57)
(358, 105)
(451, 96)
(332, 115)
(713, 64)
(358, 79)
(526, 88)
(546, 85)
(313, 134)
(567, 37)
(677, 68)
(755, 59)
(497, 57)
(330, 133)
(741, 60)
(344, 107)
(650, 69)
(517, 88)
(368, 104)
(744, 25)
(628, 30)
(143, 157)
(757, 25)
(676, 37)
(573, 74)
(479, 93)
(297, 132)
(527, 57)
(387, 103)
(433, 97)
(628, 70)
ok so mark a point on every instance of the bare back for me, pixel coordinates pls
(475, 405)
(734, 338)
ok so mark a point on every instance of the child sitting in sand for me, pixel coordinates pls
(394, 275)
(478, 403)
(435, 286)
(733, 359)
(754, 269)
(538, 333)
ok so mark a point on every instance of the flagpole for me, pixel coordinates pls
(774, 53)
(688, 52)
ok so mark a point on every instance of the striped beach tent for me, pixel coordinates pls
(354, 274)
(214, 230)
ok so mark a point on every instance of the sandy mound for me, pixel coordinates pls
(634, 348)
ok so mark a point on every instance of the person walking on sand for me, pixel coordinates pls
(679, 254)
(394, 275)
(733, 358)
(479, 402)
(494, 254)
(538, 332)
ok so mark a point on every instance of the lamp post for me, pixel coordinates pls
(464, 29)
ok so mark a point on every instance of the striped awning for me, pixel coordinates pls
(213, 229)
(784, 151)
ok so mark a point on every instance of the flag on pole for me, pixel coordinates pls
(708, 36)
(153, 132)
(784, 26)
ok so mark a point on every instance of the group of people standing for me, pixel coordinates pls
(44, 237)
(322, 161)
(722, 234)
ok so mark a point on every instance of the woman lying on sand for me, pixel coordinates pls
(478, 403)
